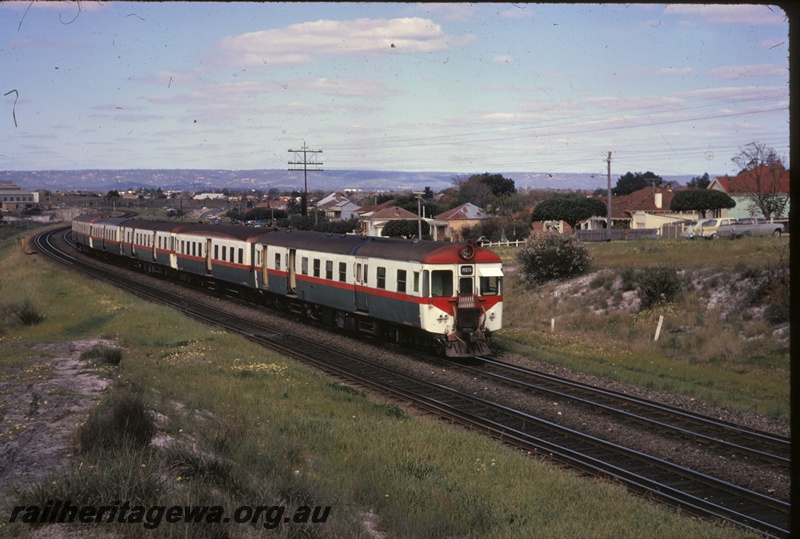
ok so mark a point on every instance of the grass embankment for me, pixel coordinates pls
(238, 425)
(720, 340)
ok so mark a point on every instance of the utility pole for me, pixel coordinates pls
(419, 215)
(306, 161)
(608, 218)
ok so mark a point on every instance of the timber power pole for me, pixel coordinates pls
(608, 218)
(307, 160)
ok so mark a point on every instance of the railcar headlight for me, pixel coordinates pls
(491, 316)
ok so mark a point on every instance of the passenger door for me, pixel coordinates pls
(292, 272)
(361, 280)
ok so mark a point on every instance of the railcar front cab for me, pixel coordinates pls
(463, 303)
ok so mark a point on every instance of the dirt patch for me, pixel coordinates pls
(41, 406)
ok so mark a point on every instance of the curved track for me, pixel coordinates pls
(653, 477)
(765, 447)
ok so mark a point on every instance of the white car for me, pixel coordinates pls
(694, 229)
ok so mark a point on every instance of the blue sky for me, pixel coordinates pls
(675, 89)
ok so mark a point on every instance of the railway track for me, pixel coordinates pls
(655, 478)
(763, 447)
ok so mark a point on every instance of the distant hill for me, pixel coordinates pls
(327, 180)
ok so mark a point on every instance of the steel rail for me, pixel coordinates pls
(729, 435)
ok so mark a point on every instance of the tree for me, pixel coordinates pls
(702, 200)
(405, 228)
(410, 203)
(337, 227)
(699, 182)
(497, 183)
(630, 182)
(482, 189)
(264, 214)
(510, 228)
(569, 209)
(761, 179)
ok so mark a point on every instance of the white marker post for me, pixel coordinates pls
(658, 329)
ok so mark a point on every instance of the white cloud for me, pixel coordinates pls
(343, 87)
(675, 71)
(502, 59)
(749, 71)
(304, 42)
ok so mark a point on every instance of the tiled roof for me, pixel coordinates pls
(465, 211)
(641, 200)
(375, 207)
(746, 181)
(392, 213)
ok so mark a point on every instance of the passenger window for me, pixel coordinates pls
(343, 272)
(241, 256)
(316, 267)
(401, 280)
(381, 277)
(490, 286)
(277, 261)
(304, 266)
(415, 288)
(329, 269)
(442, 283)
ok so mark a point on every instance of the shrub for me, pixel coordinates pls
(106, 354)
(628, 278)
(26, 313)
(121, 420)
(548, 256)
(778, 308)
(658, 285)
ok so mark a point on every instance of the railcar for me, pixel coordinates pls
(448, 295)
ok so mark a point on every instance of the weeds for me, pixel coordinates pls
(25, 312)
(122, 419)
(106, 354)
(658, 285)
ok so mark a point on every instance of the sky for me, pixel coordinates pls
(675, 89)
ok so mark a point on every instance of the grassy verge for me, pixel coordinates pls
(237, 425)
(719, 340)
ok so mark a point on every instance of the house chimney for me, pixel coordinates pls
(658, 200)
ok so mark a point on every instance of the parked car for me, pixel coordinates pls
(692, 230)
(710, 228)
(750, 226)
(483, 240)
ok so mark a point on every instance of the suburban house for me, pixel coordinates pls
(372, 222)
(13, 197)
(337, 207)
(450, 223)
(647, 208)
(744, 185)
